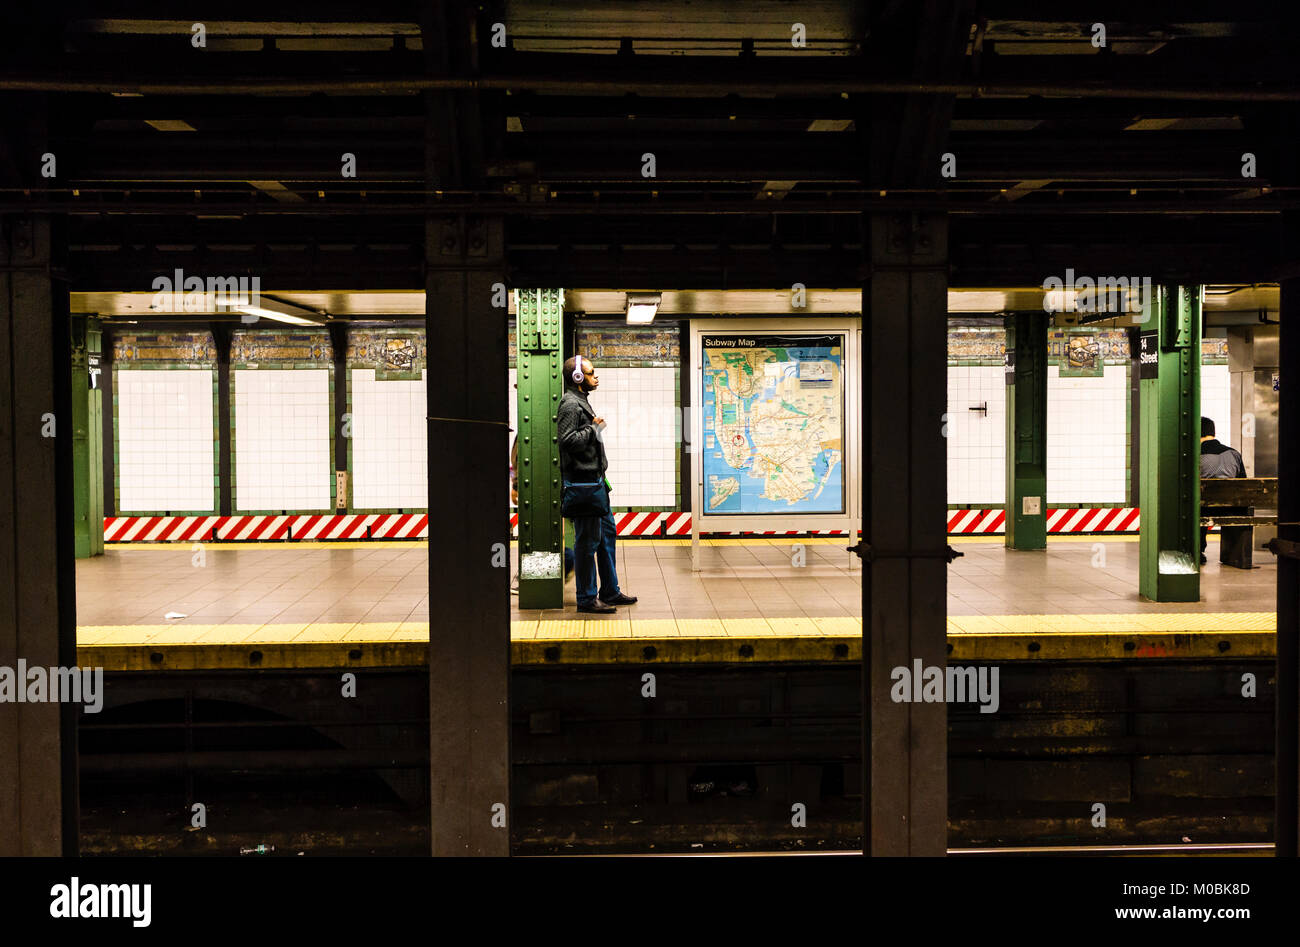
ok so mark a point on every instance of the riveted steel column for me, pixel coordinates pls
(469, 537)
(342, 382)
(539, 316)
(221, 339)
(1170, 479)
(87, 428)
(904, 583)
(1026, 457)
(108, 505)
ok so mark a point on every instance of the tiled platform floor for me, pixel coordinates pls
(378, 592)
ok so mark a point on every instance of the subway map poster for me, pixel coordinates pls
(773, 423)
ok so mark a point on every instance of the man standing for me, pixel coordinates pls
(582, 461)
(1218, 462)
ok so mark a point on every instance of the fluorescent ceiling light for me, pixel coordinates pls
(283, 312)
(641, 308)
(1060, 300)
(170, 125)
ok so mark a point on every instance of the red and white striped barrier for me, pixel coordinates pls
(627, 524)
(1085, 520)
(1081, 520)
(306, 526)
(677, 524)
(638, 524)
(961, 522)
(126, 529)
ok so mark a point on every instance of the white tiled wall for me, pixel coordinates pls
(1216, 402)
(165, 440)
(1087, 446)
(976, 440)
(390, 461)
(639, 407)
(282, 439)
(1087, 450)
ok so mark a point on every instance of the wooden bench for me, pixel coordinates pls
(1230, 505)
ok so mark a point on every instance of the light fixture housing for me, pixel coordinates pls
(283, 312)
(641, 308)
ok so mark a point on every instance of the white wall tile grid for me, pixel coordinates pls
(164, 440)
(282, 439)
(976, 439)
(1216, 402)
(1087, 437)
(390, 459)
(639, 406)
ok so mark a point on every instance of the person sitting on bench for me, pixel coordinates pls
(1218, 462)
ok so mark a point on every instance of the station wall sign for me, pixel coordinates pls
(775, 424)
(1148, 355)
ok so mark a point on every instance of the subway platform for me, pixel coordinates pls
(367, 604)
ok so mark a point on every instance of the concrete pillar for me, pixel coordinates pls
(1026, 524)
(539, 361)
(1288, 571)
(1170, 364)
(37, 567)
(904, 583)
(469, 561)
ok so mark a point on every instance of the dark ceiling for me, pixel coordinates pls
(1125, 157)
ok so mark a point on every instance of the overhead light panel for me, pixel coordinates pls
(641, 308)
(283, 312)
(170, 125)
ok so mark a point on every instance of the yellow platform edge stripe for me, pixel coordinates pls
(393, 644)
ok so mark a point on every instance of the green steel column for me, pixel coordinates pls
(1169, 479)
(538, 319)
(1026, 525)
(87, 429)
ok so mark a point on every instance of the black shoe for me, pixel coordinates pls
(620, 599)
(597, 609)
(1203, 559)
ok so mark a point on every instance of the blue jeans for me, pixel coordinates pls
(593, 536)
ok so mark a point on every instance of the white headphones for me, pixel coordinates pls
(577, 371)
